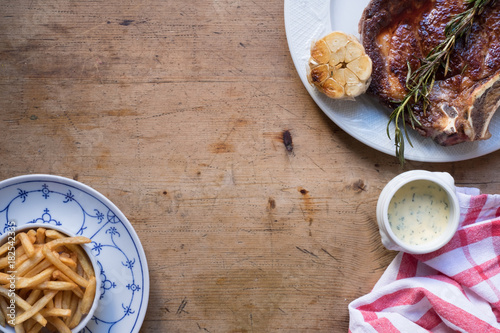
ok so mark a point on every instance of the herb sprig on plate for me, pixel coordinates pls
(420, 82)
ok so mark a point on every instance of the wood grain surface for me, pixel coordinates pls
(256, 212)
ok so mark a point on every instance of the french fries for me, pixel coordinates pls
(54, 280)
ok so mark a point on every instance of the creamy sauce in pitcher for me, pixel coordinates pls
(419, 212)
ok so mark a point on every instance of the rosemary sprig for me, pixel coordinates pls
(420, 82)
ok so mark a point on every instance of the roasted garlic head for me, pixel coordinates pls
(339, 66)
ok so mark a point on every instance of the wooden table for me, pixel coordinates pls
(176, 111)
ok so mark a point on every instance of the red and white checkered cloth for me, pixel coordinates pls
(454, 289)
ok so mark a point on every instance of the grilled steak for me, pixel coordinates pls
(397, 33)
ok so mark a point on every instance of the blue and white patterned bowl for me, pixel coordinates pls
(81, 210)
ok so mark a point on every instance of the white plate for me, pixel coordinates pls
(82, 210)
(364, 119)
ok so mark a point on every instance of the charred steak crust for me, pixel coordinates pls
(378, 16)
(395, 33)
